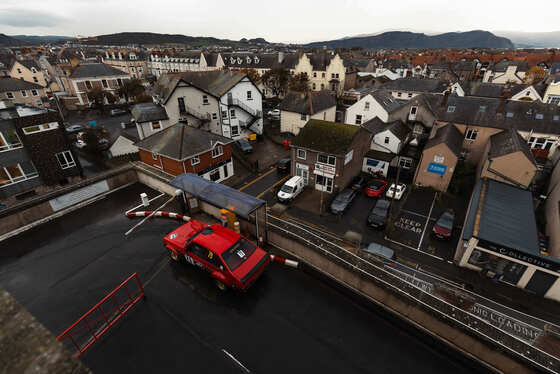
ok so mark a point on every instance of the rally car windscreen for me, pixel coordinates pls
(238, 253)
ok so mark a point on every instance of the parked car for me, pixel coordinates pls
(396, 191)
(378, 215)
(290, 189)
(117, 112)
(381, 251)
(343, 200)
(244, 146)
(375, 188)
(275, 113)
(80, 144)
(74, 128)
(103, 143)
(358, 182)
(443, 228)
(283, 165)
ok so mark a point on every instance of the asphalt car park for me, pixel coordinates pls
(59, 270)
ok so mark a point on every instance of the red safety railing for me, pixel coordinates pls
(92, 325)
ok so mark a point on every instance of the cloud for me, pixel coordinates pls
(29, 18)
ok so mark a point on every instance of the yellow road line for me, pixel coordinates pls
(257, 179)
(274, 185)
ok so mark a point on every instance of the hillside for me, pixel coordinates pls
(125, 38)
(533, 39)
(7, 41)
(405, 39)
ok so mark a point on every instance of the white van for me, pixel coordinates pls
(290, 189)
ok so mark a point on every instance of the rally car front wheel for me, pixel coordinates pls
(221, 286)
(174, 256)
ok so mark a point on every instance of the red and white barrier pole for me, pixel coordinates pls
(284, 261)
(148, 213)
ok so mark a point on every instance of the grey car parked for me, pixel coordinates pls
(342, 201)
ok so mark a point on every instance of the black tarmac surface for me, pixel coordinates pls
(288, 322)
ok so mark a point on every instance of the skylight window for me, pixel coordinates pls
(556, 117)
(539, 116)
(451, 109)
(509, 114)
(482, 108)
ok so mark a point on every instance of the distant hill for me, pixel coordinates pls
(254, 41)
(533, 39)
(8, 41)
(124, 38)
(405, 39)
(38, 39)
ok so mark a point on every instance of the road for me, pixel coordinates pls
(266, 182)
(289, 321)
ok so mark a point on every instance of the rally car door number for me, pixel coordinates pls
(192, 261)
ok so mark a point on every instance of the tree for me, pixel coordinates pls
(131, 88)
(276, 80)
(143, 98)
(534, 75)
(253, 74)
(97, 97)
(299, 82)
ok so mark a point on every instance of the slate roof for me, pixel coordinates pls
(95, 71)
(324, 136)
(216, 83)
(181, 141)
(485, 89)
(397, 128)
(447, 135)
(387, 101)
(211, 58)
(507, 142)
(555, 68)
(14, 84)
(501, 67)
(417, 85)
(30, 63)
(147, 112)
(499, 211)
(309, 103)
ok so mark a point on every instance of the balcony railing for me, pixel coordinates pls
(195, 113)
(245, 107)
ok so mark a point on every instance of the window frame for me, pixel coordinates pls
(8, 94)
(358, 120)
(195, 158)
(41, 127)
(298, 154)
(329, 157)
(217, 151)
(249, 95)
(69, 158)
(155, 128)
(34, 92)
(471, 134)
(205, 100)
(23, 93)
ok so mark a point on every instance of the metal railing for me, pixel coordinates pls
(195, 113)
(245, 107)
(92, 325)
(464, 318)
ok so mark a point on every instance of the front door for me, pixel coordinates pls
(303, 171)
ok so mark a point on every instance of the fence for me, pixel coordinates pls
(92, 325)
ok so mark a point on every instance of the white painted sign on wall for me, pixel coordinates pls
(78, 196)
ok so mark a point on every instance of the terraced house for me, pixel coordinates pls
(132, 63)
(22, 92)
(170, 61)
(88, 76)
(29, 71)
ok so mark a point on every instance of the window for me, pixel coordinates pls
(218, 150)
(19, 70)
(38, 128)
(224, 114)
(232, 113)
(301, 154)
(451, 109)
(249, 95)
(366, 105)
(195, 160)
(24, 93)
(11, 174)
(556, 117)
(234, 130)
(482, 108)
(553, 99)
(65, 159)
(409, 95)
(471, 134)
(336, 75)
(104, 83)
(313, 86)
(358, 119)
(539, 116)
(156, 125)
(509, 114)
(322, 75)
(214, 115)
(34, 93)
(399, 94)
(9, 139)
(326, 159)
(205, 100)
(413, 110)
(33, 70)
(35, 80)
(314, 74)
(386, 140)
(119, 82)
(88, 85)
(332, 75)
(405, 163)
(154, 156)
(303, 117)
(181, 103)
(215, 175)
(9, 95)
(322, 86)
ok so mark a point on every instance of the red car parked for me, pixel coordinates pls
(375, 188)
(231, 260)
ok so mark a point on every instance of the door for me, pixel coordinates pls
(303, 171)
(229, 98)
(540, 282)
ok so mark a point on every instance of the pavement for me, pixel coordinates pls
(289, 321)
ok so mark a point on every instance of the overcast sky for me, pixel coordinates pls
(276, 21)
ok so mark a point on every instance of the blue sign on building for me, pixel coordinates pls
(93, 123)
(437, 168)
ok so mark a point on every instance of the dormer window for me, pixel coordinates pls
(248, 59)
(256, 60)
(451, 109)
(239, 60)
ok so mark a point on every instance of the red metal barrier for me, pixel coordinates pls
(92, 325)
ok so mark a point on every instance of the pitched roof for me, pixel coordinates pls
(145, 112)
(501, 67)
(485, 89)
(14, 84)
(447, 135)
(397, 128)
(309, 103)
(324, 136)
(95, 70)
(181, 141)
(30, 63)
(498, 207)
(216, 82)
(387, 101)
(507, 142)
(417, 85)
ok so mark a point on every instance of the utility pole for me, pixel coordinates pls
(395, 190)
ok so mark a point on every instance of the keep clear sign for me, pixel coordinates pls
(408, 224)
(505, 323)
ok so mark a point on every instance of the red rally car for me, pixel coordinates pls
(375, 188)
(231, 260)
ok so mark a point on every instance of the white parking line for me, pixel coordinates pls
(427, 220)
(229, 355)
